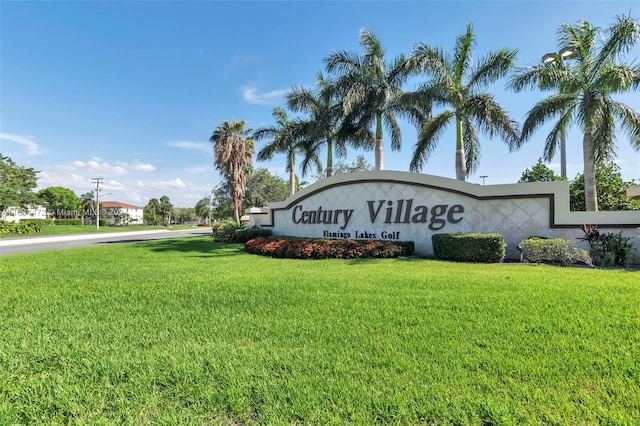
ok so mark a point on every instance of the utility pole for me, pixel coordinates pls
(97, 181)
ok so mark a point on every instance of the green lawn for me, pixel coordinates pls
(89, 229)
(189, 332)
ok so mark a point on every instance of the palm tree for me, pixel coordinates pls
(584, 92)
(165, 210)
(372, 90)
(233, 155)
(460, 85)
(285, 138)
(203, 209)
(151, 210)
(324, 125)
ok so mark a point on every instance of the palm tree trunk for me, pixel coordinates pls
(461, 163)
(590, 195)
(292, 178)
(236, 211)
(329, 157)
(379, 149)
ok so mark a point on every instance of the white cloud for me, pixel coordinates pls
(142, 167)
(32, 147)
(175, 183)
(113, 184)
(201, 146)
(251, 95)
(197, 169)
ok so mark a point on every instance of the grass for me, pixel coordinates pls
(89, 229)
(189, 332)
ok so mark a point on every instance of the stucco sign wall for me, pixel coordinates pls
(405, 206)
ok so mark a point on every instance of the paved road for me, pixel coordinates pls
(60, 242)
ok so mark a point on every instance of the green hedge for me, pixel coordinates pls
(487, 248)
(231, 232)
(70, 222)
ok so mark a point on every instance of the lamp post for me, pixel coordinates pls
(483, 178)
(559, 58)
(98, 208)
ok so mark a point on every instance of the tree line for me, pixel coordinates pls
(360, 94)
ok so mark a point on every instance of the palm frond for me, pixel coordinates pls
(433, 62)
(462, 57)
(391, 124)
(342, 61)
(471, 146)
(544, 111)
(630, 120)
(492, 67)
(623, 35)
(615, 78)
(428, 137)
(492, 119)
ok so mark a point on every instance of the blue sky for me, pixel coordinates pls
(131, 90)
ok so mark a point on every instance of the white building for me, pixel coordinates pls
(117, 213)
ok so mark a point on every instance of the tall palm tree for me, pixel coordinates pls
(286, 138)
(459, 85)
(583, 94)
(165, 210)
(324, 125)
(372, 89)
(233, 149)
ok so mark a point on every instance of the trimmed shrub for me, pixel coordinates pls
(21, 228)
(556, 250)
(224, 232)
(295, 248)
(72, 222)
(231, 232)
(486, 248)
(245, 234)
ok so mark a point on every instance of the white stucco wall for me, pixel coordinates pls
(401, 206)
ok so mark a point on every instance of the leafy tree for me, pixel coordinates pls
(264, 188)
(285, 138)
(59, 200)
(184, 214)
(612, 189)
(359, 165)
(221, 203)
(372, 89)
(233, 154)
(455, 82)
(540, 173)
(152, 212)
(203, 209)
(165, 209)
(324, 125)
(584, 94)
(16, 185)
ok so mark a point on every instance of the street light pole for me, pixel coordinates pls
(483, 178)
(564, 54)
(97, 181)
